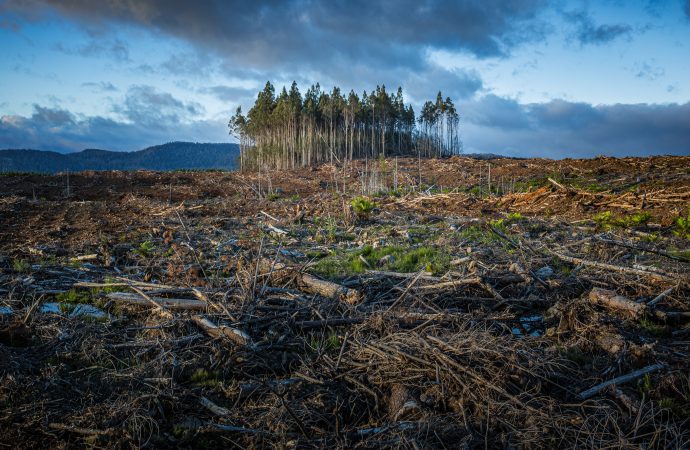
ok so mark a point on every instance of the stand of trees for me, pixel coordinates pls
(289, 130)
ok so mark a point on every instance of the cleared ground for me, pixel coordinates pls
(466, 303)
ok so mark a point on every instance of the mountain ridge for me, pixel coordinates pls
(168, 156)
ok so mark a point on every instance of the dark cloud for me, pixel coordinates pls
(101, 86)
(561, 129)
(293, 33)
(147, 106)
(59, 130)
(686, 8)
(587, 32)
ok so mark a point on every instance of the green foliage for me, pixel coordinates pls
(645, 384)
(577, 355)
(203, 378)
(20, 265)
(654, 328)
(606, 220)
(325, 345)
(683, 226)
(74, 297)
(362, 207)
(146, 249)
(477, 234)
(514, 217)
(400, 259)
(273, 196)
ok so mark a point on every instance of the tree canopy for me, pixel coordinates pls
(291, 130)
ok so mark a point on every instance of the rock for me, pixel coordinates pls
(386, 260)
(544, 273)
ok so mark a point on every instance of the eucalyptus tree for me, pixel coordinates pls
(289, 130)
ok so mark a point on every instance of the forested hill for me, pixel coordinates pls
(171, 156)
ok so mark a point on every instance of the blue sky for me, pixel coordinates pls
(530, 77)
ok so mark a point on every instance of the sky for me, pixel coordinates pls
(529, 77)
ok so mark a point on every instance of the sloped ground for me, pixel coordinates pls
(459, 318)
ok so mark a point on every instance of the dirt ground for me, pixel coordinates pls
(459, 303)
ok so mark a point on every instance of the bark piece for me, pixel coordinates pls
(239, 337)
(614, 302)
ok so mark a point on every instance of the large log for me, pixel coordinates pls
(280, 272)
(169, 303)
(614, 302)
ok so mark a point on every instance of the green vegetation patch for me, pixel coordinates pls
(392, 258)
(606, 220)
(362, 207)
(683, 226)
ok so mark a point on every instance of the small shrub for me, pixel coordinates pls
(145, 249)
(362, 207)
(20, 265)
(645, 384)
(683, 226)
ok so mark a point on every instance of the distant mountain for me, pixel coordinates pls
(171, 156)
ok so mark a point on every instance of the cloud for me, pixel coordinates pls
(686, 8)
(559, 128)
(454, 83)
(101, 86)
(230, 93)
(555, 129)
(587, 32)
(112, 48)
(648, 71)
(147, 106)
(60, 130)
(306, 33)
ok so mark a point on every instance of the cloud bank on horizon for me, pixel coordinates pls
(529, 77)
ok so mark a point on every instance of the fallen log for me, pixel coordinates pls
(647, 273)
(280, 272)
(233, 334)
(612, 301)
(168, 303)
(448, 284)
(584, 395)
